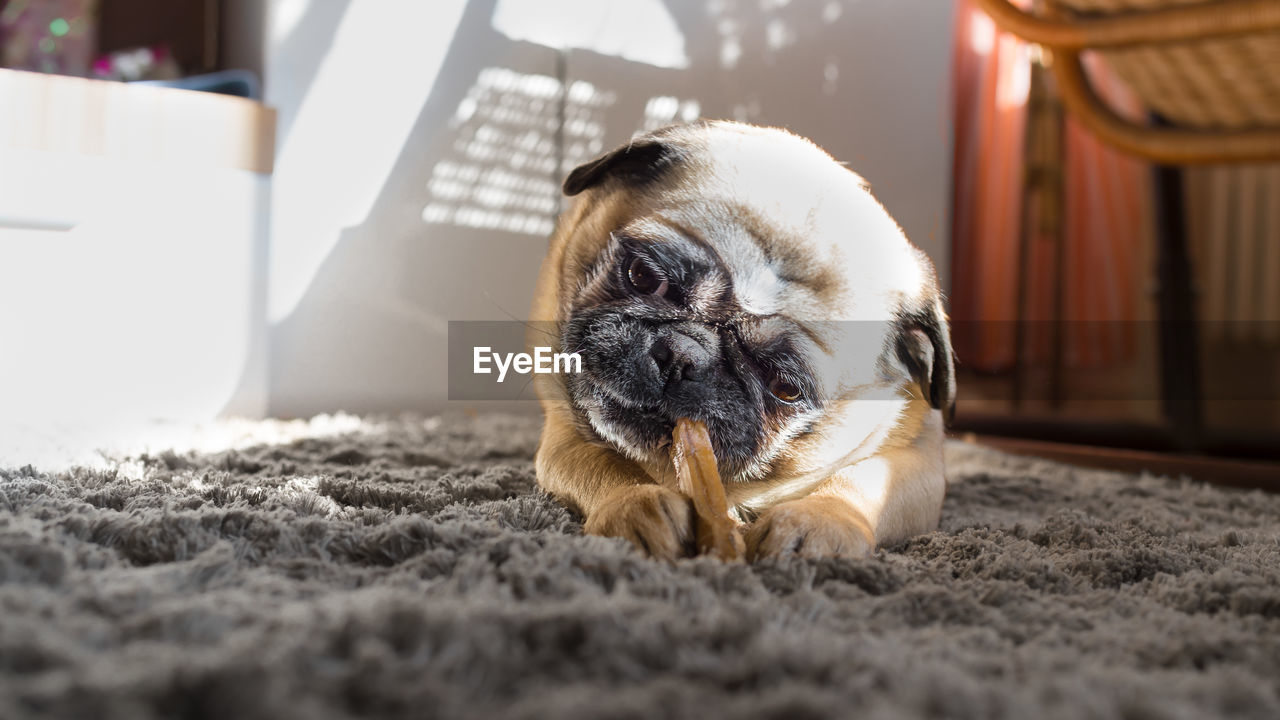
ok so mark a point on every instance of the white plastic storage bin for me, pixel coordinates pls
(133, 228)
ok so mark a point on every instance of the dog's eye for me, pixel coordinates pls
(787, 392)
(645, 279)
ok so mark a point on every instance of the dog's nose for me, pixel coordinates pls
(680, 356)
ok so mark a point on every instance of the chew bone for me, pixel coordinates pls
(695, 462)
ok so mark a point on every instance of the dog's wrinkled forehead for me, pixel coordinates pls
(796, 231)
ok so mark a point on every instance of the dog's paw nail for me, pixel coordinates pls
(657, 521)
(810, 527)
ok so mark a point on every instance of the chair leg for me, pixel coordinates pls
(1179, 345)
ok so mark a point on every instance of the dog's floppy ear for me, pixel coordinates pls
(642, 160)
(923, 344)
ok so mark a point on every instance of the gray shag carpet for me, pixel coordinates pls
(411, 568)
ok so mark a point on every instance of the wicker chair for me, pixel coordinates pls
(1210, 68)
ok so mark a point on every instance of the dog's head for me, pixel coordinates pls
(739, 276)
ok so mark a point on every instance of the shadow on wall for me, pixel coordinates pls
(368, 333)
(458, 227)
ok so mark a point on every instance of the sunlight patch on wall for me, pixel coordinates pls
(664, 110)
(501, 173)
(831, 12)
(763, 26)
(641, 31)
(830, 77)
(778, 35)
(747, 111)
(283, 16)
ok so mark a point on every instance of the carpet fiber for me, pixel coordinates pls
(411, 568)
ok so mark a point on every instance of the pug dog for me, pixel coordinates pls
(740, 276)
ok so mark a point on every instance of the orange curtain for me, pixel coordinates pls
(1106, 217)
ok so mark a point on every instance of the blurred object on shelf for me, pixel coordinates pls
(239, 83)
(144, 63)
(132, 39)
(51, 36)
(189, 30)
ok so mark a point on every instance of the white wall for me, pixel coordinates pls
(418, 161)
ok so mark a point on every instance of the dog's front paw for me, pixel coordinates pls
(810, 527)
(656, 520)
